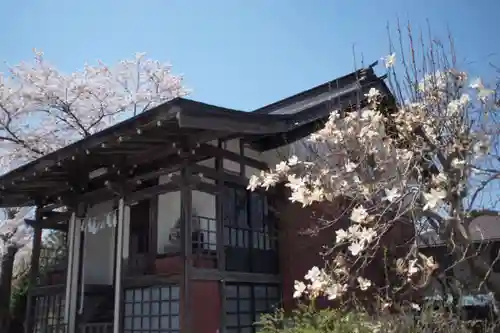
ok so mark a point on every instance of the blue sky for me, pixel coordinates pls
(235, 53)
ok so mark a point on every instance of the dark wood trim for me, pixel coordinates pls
(152, 191)
(55, 289)
(153, 232)
(51, 220)
(123, 265)
(219, 170)
(205, 187)
(80, 294)
(242, 153)
(187, 248)
(34, 271)
(216, 275)
(210, 150)
(151, 280)
(221, 254)
(222, 300)
(219, 175)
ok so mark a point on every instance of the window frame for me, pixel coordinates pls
(139, 308)
(254, 241)
(252, 299)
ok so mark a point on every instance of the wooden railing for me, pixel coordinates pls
(96, 328)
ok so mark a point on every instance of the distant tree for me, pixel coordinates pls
(43, 109)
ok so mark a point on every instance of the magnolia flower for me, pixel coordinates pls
(253, 183)
(335, 290)
(356, 248)
(282, 167)
(269, 180)
(359, 214)
(294, 160)
(392, 195)
(300, 288)
(313, 274)
(364, 284)
(390, 60)
(372, 95)
(341, 235)
(434, 198)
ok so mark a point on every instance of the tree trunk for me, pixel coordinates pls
(6, 266)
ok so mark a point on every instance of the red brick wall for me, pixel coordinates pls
(205, 304)
(205, 299)
(299, 251)
(174, 264)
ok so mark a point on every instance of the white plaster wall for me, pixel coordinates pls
(204, 206)
(98, 253)
(233, 146)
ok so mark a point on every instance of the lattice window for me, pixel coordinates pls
(49, 314)
(245, 303)
(250, 235)
(204, 233)
(152, 309)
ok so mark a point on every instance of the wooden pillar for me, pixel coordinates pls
(33, 274)
(120, 230)
(221, 257)
(69, 269)
(187, 248)
(74, 277)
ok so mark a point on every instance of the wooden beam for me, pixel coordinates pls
(45, 225)
(187, 248)
(221, 253)
(55, 289)
(211, 150)
(151, 280)
(216, 275)
(219, 175)
(153, 233)
(152, 191)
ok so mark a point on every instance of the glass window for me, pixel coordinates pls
(152, 309)
(245, 303)
(250, 237)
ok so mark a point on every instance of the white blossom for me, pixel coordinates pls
(364, 284)
(392, 194)
(300, 288)
(359, 214)
(434, 198)
(355, 248)
(373, 94)
(390, 60)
